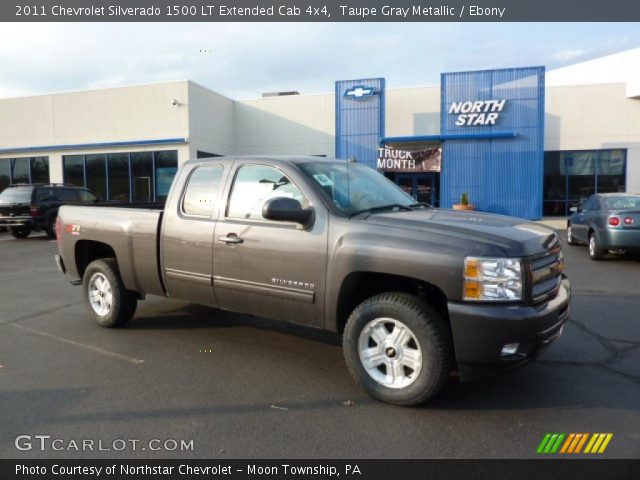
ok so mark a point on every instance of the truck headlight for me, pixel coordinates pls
(492, 279)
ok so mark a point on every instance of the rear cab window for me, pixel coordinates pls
(202, 191)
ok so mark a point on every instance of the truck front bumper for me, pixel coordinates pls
(485, 336)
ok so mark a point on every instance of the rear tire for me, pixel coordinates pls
(406, 366)
(51, 228)
(595, 251)
(570, 238)
(20, 232)
(106, 299)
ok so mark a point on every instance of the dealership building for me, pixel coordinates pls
(528, 142)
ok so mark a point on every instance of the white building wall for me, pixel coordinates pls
(412, 111)
(286, 125)
(211, 121)
(585, 117)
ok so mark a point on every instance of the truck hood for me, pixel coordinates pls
(516, 237)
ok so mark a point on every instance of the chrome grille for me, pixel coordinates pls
(545, 274)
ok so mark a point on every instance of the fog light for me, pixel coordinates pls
(509, 349)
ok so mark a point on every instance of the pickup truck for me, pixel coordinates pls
(418, 293)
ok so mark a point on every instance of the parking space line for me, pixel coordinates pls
(78, 344)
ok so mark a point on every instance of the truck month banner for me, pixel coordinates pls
(395, 160)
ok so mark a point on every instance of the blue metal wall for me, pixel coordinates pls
(501, 175)
(359, 119)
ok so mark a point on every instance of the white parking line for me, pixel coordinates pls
(78, 344)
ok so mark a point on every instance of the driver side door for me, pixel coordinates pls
(274, 269)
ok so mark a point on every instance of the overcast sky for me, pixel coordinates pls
(244, 60)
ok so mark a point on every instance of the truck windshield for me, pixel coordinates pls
(16, 195)
(355, 188)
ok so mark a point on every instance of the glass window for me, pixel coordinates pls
(255, 184)
(68, 194)
(118, 177)
(142, 173)
(202, 190)
(40, 170)
(166, 167)
(5, 174)
(16, 195)
(86, 196)
(611, 171)
(74, 169)
(356, 187)
(20, 170)
(622, 202)
(97, 175)
(46, 195)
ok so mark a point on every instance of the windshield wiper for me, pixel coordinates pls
(381, 208)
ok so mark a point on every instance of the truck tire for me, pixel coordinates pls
(595, 251)
(20, 232)
(51, 227)
(106, 299)
(398, 347)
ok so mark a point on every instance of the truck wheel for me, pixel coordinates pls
(570, 238)
(20, 232)
(595, 252)
(51, 228)
(106, 299)
(398, 348)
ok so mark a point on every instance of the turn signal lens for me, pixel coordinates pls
(628, 221)
(614, 221)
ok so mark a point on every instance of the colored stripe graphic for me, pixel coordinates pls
(573, 443)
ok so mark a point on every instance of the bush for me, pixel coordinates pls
(464, 199)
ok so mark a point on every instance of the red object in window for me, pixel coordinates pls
(614, 221)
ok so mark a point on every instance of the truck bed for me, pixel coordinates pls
(130, 231)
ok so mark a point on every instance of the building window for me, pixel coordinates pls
(137, 177)
(23, 170)
(571, 176)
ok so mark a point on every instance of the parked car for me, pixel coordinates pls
(25, 208)
(606, 221)
(417, 292)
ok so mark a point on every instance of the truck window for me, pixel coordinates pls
(45, 195)
(202, 188)
(254, 185)
(67, 195)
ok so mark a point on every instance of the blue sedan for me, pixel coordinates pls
(606, 221)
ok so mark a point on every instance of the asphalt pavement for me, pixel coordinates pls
(232, 386)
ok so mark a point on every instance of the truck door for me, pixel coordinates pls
(188, 232)
(268, 268)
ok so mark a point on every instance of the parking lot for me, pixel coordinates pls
(243, 387)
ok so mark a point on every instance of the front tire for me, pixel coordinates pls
(570, 238)
(398, 347)
(20, 232)
(595, 251)
(106, 299)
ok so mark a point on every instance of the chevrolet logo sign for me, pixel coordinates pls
(359, 92)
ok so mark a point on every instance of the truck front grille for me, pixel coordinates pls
(545, 275)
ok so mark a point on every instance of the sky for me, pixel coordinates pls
(244, 60)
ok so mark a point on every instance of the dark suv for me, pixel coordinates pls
(24, 208)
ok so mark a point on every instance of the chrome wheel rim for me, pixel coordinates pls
(390, 353)
(100, 294)
(569, 235)
(592, 245)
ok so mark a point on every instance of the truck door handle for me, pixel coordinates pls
(231, 239)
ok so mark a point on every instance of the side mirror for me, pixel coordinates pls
(573, 209)
(285, 209)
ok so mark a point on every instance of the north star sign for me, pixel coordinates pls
(359, 92)
(480, 112)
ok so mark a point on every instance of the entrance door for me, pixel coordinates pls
(421, 186)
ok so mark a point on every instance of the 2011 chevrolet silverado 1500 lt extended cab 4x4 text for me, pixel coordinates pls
(416, 291)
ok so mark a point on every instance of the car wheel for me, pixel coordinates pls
(398, 348)
(51, 228)
(20, 232)
(595, 252)
(570, 238)
(106, 299)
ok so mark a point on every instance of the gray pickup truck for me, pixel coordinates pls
(418, 293)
